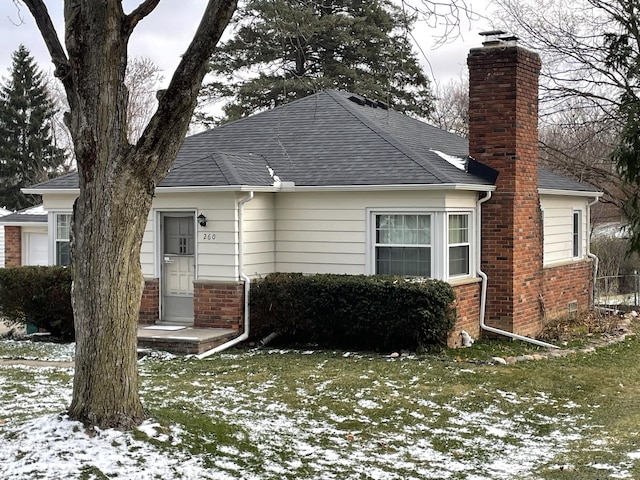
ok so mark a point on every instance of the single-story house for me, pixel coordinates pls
(338, 183)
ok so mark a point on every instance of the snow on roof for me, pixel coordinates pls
(37, 210)
(459, 163)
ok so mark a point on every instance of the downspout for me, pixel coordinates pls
(596, 260)
(247, 285)
(483, 293)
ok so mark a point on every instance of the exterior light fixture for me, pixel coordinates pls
(202, 220)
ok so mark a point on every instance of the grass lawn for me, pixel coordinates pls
(277, 414)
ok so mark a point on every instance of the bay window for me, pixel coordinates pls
(428, 244)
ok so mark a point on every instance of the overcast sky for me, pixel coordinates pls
(165, 34)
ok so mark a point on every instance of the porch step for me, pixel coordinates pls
(183, 341)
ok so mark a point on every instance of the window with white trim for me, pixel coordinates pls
(62, 239)
(459, 245)
(403, 244)
(577, 234)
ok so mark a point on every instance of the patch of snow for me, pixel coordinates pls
(276, 178)
(459, 163)
(308, 438)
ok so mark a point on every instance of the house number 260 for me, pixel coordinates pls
(209, 236)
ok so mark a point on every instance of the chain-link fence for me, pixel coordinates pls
(616, 291)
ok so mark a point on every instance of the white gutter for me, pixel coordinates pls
(289, 187)
(483, 294)
(569, 193)
(247, 285)
(596, 260)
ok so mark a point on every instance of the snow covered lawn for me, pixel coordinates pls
(278, 414)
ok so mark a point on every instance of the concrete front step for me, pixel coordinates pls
(182, 340)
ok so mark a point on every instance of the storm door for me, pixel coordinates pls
(177, 263)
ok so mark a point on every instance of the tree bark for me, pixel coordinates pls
(117, 182)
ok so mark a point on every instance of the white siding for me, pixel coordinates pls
(216, 243)
(259, 235)
(327, 232)
(308, 232)
(63, 202)
(3, 212)
(558, 227)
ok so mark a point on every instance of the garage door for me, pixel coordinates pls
(37, 251)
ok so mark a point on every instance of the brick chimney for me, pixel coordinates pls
(503, 134)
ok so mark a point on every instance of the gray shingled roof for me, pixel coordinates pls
(552, 181)
(28, 215)
(331, 138)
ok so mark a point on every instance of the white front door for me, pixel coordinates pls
(177, 263)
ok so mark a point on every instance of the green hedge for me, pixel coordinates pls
(40, 296)
(352, 311)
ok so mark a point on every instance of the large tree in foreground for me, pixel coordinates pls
(283, 50)
(28, 152)
(117, 182)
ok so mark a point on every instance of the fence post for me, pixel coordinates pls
(635, 288)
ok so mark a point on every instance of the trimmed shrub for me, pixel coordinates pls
(353, 311)
(40, 296)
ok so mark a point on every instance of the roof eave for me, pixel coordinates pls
(569, 193)
(48, 191)
(395, 187)
(287, 187)
(39, 223)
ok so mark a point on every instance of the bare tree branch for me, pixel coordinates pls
(144, 9)
(179, 100)
(45, 25)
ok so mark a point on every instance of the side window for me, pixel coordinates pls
(62, 239)
(577, 234)
(459, 246)
(403, 244)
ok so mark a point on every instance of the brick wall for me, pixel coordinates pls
(503, 134)
(567, 283)
(12, 246)
(468, 309)
(150, 303)
(218, 305)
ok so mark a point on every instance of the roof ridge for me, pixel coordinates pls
(390, 139)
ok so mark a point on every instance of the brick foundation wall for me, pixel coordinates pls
(503, 134)
(150, 303)
(218, 305)
(12, 246)
(567, 283)
(468, 310)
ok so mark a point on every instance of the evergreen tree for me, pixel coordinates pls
(287, 49)
(28, 154)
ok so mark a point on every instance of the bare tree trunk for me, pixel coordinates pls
(109, 221)
(117, 181)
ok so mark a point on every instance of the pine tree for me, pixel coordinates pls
(287, 49)
(28, 154)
